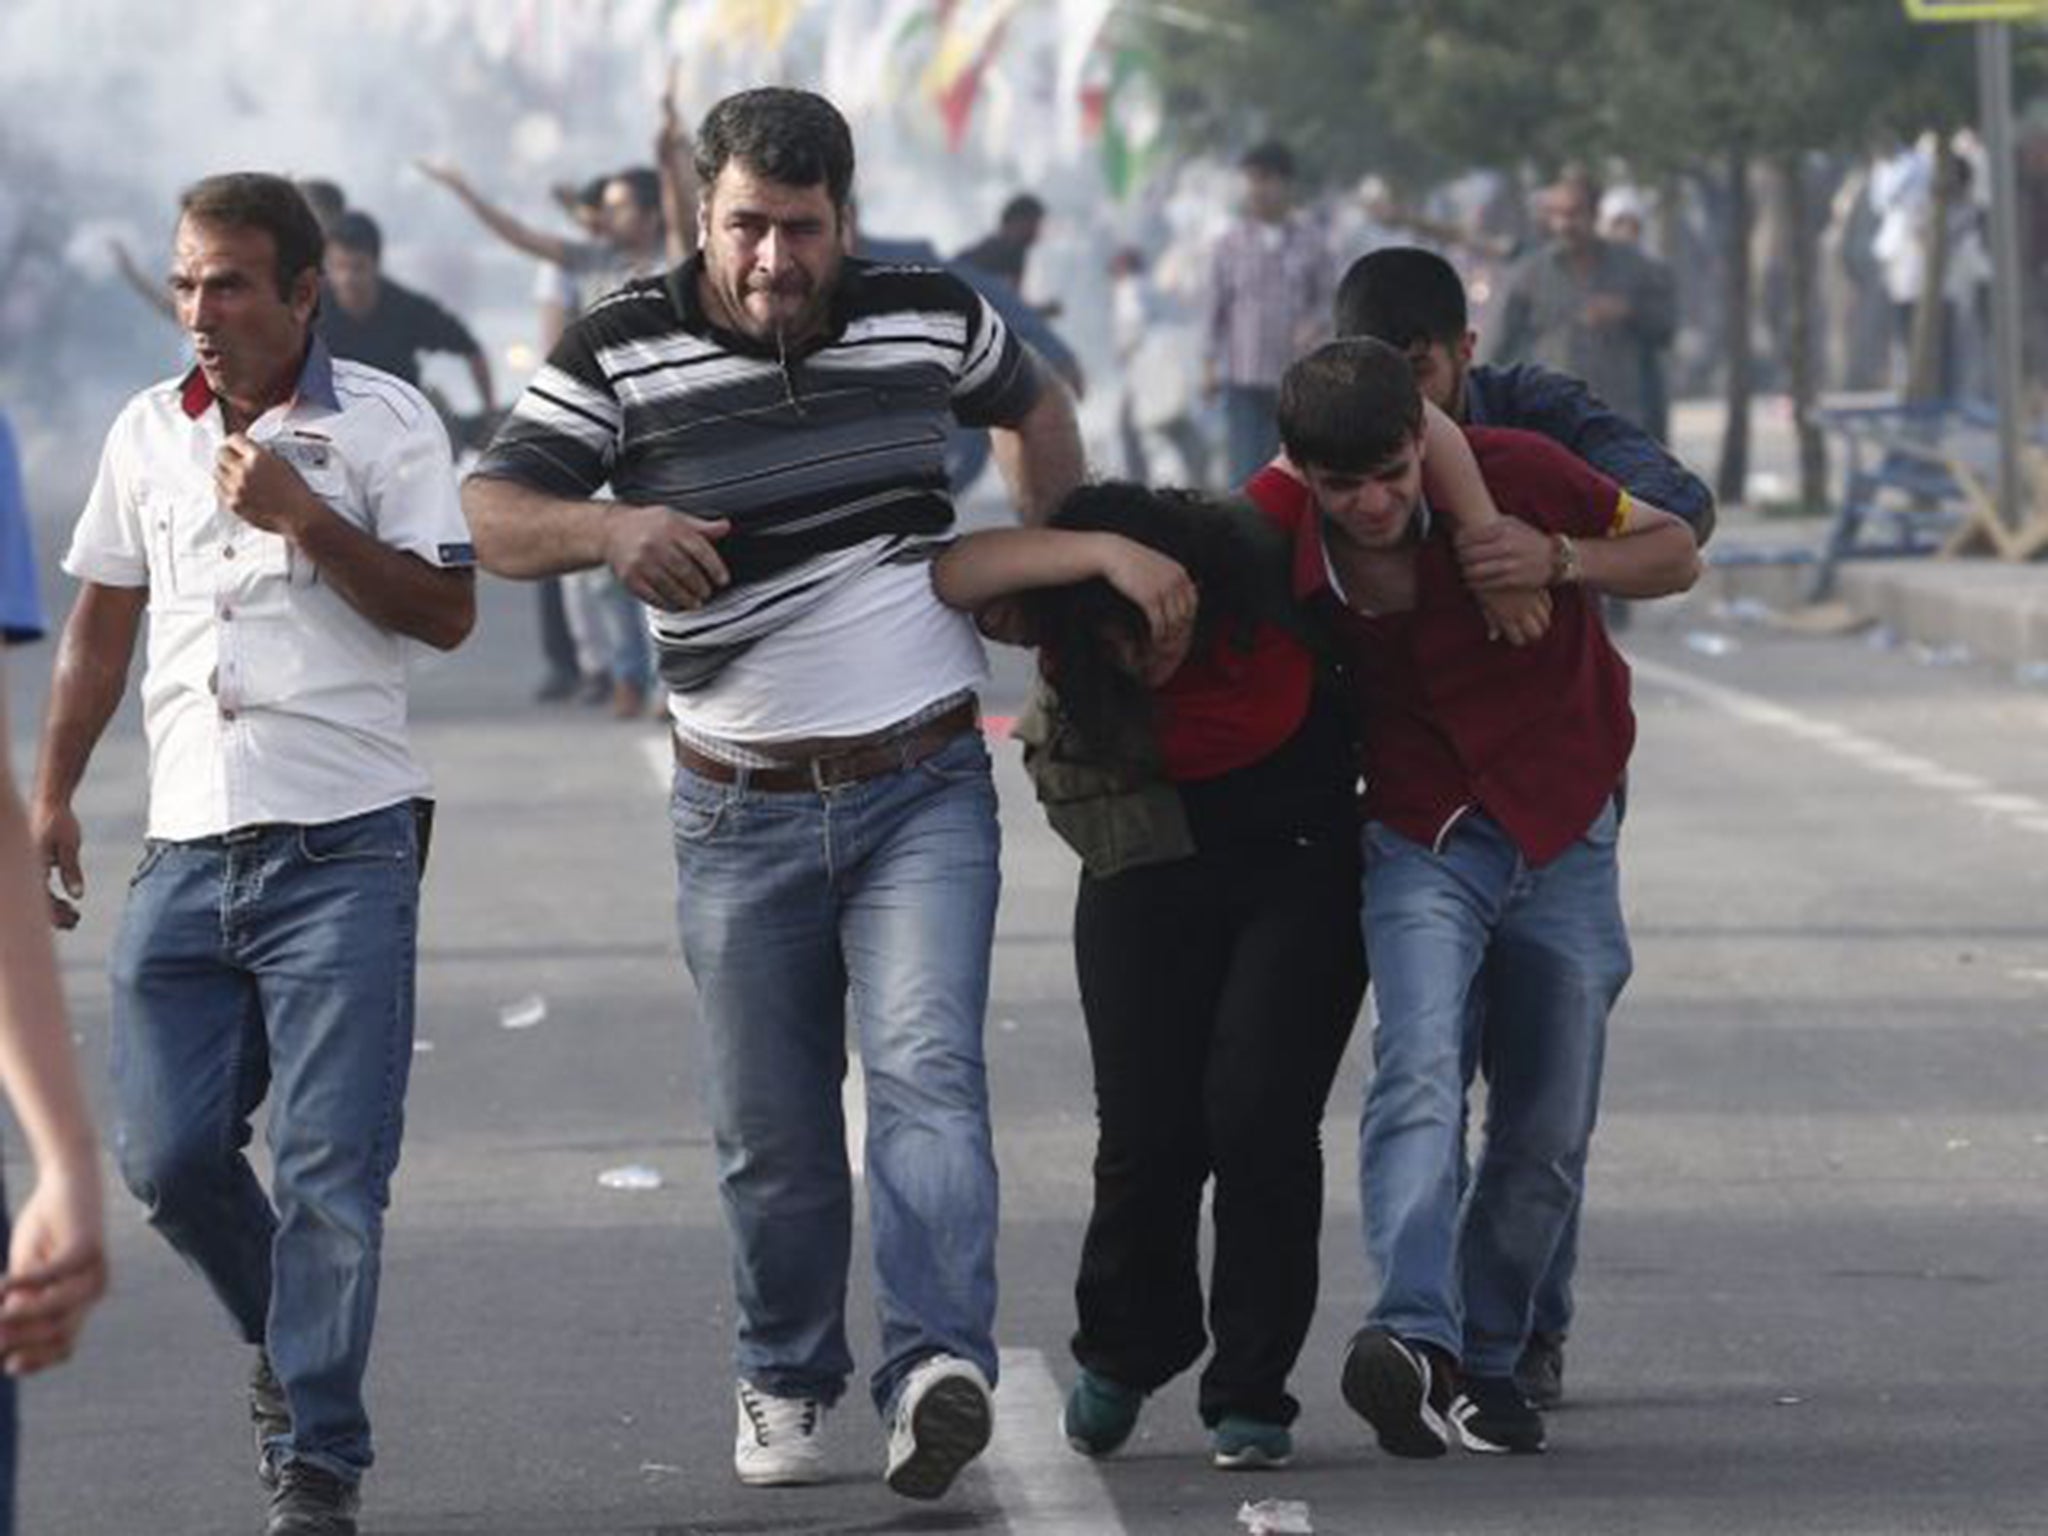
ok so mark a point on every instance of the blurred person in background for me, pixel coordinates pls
(1621, 223)
(372, 319)
(1006, 251)
(631, 240)
(615, 659)
(1584, 305)
(1269, 294)
(1154, 350)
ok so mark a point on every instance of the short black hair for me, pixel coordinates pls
(257, 200)
(642, 182)
(1078, 625)
(1270, 157)
(1021, 209)
(357, 231)
(1402, 294)
(591, 193)
(325, 198)
(794, 137)
(1349, 406)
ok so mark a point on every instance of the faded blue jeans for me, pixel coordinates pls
(1459, 1269)
(871, 903)
(278, 959)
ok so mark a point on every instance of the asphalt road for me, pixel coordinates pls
(1814, 1273)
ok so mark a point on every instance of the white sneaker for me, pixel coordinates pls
(944, 1416)
(777, 1443)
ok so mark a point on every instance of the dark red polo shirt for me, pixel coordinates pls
(1537, 736)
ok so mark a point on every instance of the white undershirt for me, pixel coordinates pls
(874, 653)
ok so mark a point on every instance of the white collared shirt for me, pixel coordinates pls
(266, 697)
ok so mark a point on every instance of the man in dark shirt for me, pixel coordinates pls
(367, 318)
(1007, 250)
(1491, 777)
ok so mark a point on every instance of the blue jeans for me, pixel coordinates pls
(1251, 430)
(871, 902)
(609, 627)
(278, 960)
(1556, 955)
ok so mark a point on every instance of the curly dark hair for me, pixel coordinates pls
(1089, 629)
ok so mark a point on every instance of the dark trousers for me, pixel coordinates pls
(1219, 992)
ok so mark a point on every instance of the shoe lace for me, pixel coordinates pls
(774, 1418)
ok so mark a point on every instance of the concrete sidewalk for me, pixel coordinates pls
(1997, 611)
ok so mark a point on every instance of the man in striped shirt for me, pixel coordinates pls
(770, 416)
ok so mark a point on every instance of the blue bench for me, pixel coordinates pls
(1918, 476)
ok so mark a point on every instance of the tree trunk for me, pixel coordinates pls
(1801, 360)
(1930, 316)
(1731, 479)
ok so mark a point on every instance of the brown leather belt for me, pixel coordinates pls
(848, 764)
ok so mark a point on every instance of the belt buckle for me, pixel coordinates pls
(235, 837)
(836, 770)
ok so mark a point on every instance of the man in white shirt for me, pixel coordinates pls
(290, 523)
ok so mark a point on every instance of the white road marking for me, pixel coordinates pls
(853, 1103)
(1947, 779)
(1045, 1488)
(853, 1090)
(2009, 805)
(1966, 789)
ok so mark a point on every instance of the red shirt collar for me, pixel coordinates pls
(1284, 497)
(315, 384)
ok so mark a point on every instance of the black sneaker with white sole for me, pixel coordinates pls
(1492, 1416)
(1403, 1389)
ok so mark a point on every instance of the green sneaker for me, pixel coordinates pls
(1099, 1415)
(1250, 1445)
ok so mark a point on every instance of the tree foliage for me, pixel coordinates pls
(1415, 89)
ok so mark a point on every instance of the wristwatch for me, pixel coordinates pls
(1564, 560)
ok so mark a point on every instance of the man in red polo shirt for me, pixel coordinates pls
(1490, 841)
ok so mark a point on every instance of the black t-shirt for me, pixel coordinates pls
(394, 334)
(1001, 256)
